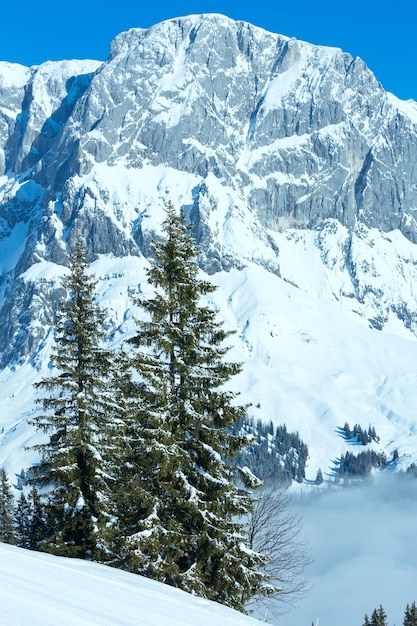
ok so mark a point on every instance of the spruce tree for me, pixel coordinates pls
(7, 534)
(379, 617)
(37, 522)
(410, 615)
(182, 528)
(77, 405)
(22, 517)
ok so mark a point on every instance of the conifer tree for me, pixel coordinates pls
(379, 617)
(410, 615)
(182, 527)
(76, 408)
(319, 477)
(6, 509)
(37, 521)
(22, 522)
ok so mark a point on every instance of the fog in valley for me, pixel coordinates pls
(363, 541)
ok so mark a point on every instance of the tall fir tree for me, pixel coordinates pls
(182, 526)
(410, 615)
(7, 503)
(77, 405)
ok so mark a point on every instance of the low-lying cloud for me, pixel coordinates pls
(363, 540)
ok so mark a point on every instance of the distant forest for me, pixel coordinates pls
(275, 455)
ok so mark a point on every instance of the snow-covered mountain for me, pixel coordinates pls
(298, 171)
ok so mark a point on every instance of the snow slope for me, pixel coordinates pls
(45, 590)
(264, 135)
(308, 362)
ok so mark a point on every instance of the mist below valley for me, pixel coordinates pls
(363, 542)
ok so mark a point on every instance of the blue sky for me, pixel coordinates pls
(383, 34)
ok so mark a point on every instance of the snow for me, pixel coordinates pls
(45, 271)
(128, 189)
(12, 247)
(45, 590)
(13, 75)
(310, 360)
(407, 107)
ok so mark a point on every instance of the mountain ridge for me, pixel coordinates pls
(292, 162)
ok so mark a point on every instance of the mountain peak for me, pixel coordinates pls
(288, 158)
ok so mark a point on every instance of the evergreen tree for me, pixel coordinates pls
(348, 433)
(410, 615)
(319, 477)
(37, 522)
(379, 617)
(22, 522)
(182, 527)
(76, 408)
(6, 509)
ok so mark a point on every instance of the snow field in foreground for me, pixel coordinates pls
(45, 590)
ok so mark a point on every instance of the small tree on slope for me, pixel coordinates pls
(22, 521)
(184, 531)
(6, 509)
(76, 408)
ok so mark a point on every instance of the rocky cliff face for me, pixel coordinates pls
(258, 136)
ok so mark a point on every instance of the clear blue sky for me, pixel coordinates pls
(382, 33)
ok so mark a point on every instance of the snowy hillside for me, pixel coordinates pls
(45, 590)
(307, 362)
(298, 172)
(296, 169)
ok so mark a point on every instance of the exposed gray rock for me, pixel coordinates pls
(264, 133)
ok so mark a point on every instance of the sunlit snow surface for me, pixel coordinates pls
(310, 357)
(307, 362)
(45, 590)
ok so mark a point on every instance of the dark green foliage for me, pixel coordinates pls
(359, 434)
(277, 458)
(22, 522)
(378, 618)
(37, 521)
(178, 505)
(6, 509)
(76, 408)
(348, 432)
(361, 464)
(410, 615)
